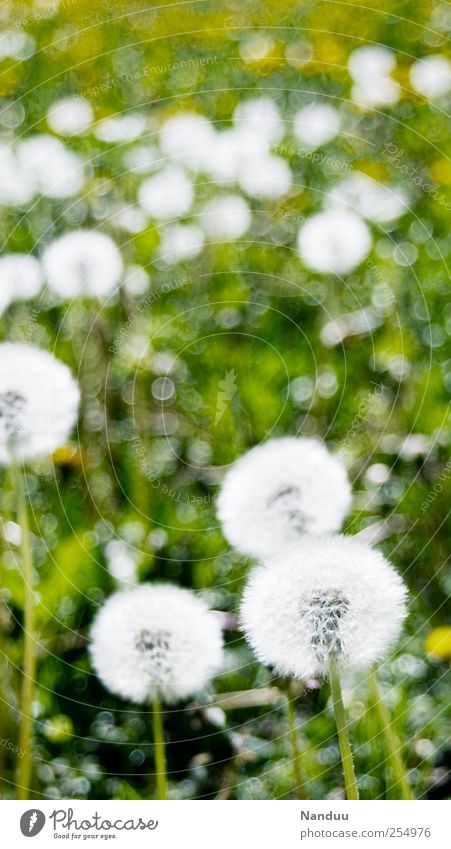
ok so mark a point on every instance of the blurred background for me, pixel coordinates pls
(216, 341)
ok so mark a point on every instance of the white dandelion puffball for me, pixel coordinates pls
(70, 116)
(371, 61)
(316, 124)
(55, 171)
(334, 241)
(83, 262)
(155, 641)
(381, 92)
(16, 44)
(121, 563)
(280, 490)
(17, 188)
(369, 198)
(261, 118)
(225, 218)
(265, 177)
(233, 150)
(20, 278)
(189, 138)
(431, 76)
(120, 128)
(180, 242)
(327, 597)
(38, 402)
(370, 67)
(166, 195)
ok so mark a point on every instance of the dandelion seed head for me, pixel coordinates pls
(16, 186)
(431, 76)
(20, 278)
(381, 92)
(167, 194)
(280, 490)
(70, 116)
(156, 641)
(265, 176)
(180, 242)
(83, 262)
(226, 217)
(38, 402)
(261, 118)
(120, 128)
(50, 167)
(326, 596)
(370, 67)
(334, 241)
(371, 60)
(188, 138)
(316, 124)
(369, 198)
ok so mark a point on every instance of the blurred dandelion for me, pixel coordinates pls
(327, 604)
(38, 408)
(20, 278)
(316, 124)
(280, 490)
(334, 242)
(156, 644)
(83, 262)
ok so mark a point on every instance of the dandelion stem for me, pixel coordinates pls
(159, 750)
(297, 757)
(392, 741)
(343, 736)
(24, 768)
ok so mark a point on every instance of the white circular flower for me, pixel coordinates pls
(370, 67)
(327, 596)
(83, 262)
(233, 151)
(16, 44)
(120, 128)
(316, 124)
(142, 158)
(20, 278)
(280, 490)
(431, 76)
(334, 242)
(381, 92)
(38, 402)
(369, 61)
(261, 118)
(55, 171)
(17, 187)
(226, 217)
(369, 198)
(168, 194)
(189, 138)
(265, 177)
(155, 641)
(122, 563)
(136, 280)
(70, 116)
(180, 242)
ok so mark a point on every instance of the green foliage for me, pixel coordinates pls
(252, 310)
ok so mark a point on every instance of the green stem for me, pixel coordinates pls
(297, 757)
(24, 768)
(392, 743)
(343, 736)
(159, 750)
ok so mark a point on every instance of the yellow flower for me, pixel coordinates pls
(438, 642)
